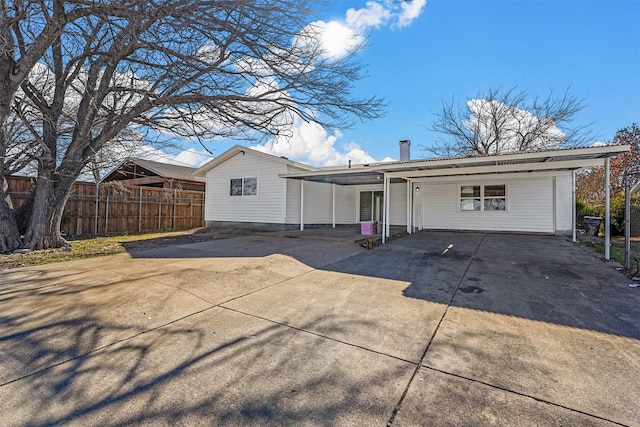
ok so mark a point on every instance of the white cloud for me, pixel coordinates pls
(338, 38)
(374, 15)
(410, 10)
(313, 145)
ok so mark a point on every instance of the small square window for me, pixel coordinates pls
(236, 187)
(470, 205)
(250, 187)
(494, 191)
(470, 191)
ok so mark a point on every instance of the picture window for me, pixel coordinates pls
(485, 198)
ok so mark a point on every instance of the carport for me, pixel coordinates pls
(522, 165)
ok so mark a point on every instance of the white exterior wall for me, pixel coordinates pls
(564, 200)
(531, 204)
(346, 205)
(268, 206)
(318, 200)
(293, 201)
(398, 204)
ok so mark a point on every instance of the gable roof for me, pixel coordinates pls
(238, 149)
(164, 170)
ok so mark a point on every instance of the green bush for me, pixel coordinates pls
(616, 212)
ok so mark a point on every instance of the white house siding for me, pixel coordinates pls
(398, 206)
(318, 200)
(563, 202)
(347, 204)
(293, 201)
(268, 206)
(530, 205)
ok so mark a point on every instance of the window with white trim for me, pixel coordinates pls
(244, 187)
(484, 198)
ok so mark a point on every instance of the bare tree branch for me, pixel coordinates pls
(505, 120)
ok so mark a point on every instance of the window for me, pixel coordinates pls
(244, 187)
(370, 205)
(483, 198)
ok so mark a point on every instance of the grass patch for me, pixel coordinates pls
(90, 248)
(617, 249)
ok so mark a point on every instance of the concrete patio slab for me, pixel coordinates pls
(225, 368)
(271, 330)
(363, 311)
(580, 369)
(440, 399)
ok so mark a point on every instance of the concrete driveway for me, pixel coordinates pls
(431, 329)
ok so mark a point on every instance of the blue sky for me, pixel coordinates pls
(446, 48)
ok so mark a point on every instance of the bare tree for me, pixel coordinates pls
(186, 68)
(500, 121)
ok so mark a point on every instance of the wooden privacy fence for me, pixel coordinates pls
(113, 208)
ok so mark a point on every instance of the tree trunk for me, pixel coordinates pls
(9, 235)
(49, 200)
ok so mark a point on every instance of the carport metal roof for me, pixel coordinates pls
(543, 160)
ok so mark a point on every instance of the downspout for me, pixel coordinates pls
(607, 220)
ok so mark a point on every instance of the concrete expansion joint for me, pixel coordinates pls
(319, 335)
(517, 393)
(435, 331)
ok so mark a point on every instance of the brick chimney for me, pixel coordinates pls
(405, 145)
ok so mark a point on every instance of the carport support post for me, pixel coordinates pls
(627, 221)
(607, 191)
(573, 206)
(302, 205)
(387, 206)
(384, 214)
(409, 193)
(333, 205)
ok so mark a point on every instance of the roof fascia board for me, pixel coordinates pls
(237, 149)
(520, 167)
(608, 150)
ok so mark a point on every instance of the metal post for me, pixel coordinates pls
(387, 206)
(302, 205)
(573, 206)
(333, 220)
(607, 203)
(106, 217)
(160, 213)
(174, 209)
(95, 222)
(409, 185)
(627, 221)
(140, 210)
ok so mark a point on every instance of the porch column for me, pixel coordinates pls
(387, 204)
(384, 209)
(607, 196)
(409, 194)
(573, 206)
(302, 205)
(333, 204)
